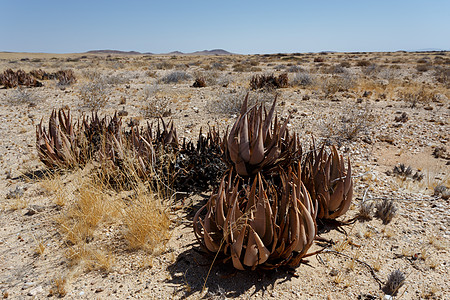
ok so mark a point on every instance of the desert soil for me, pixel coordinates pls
(415, 242)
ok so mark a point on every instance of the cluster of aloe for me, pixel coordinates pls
(155, 148)
(264, 212)
(11, 79)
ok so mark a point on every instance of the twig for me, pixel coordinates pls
(365, 194)
(357, 260)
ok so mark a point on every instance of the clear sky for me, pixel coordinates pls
(62, 26)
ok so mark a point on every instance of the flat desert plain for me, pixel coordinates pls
(389, 113)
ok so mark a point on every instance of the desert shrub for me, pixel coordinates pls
(23, 95)
(94, 95)
(155, 105)
(334, 84)
(423, 60)
(442, 75)
(91, 75)
(117, 78)
(210, 77)
(423, 67)
(231, 102)
(319, 59)
(164, 65)
(370, 70)
(345, 64)
(416, 95)
(279, 67)
(218, 66)
(269, 81)
(65, 77)
(336, 69)
(224, 80)
(295, 69)
(176, 77)
(303, 78)
(348, 124)
(363, 63)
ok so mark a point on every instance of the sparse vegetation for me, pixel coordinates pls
(94, 95)
(117, 195)
(269, 82)
(176, 77)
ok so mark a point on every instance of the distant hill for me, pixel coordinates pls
(115, 52)
(175, 53)
(211, 52)
(204, 52)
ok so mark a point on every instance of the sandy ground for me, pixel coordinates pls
(415, 242)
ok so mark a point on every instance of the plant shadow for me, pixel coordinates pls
(193, 267)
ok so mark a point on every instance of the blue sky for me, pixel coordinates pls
(238, 26)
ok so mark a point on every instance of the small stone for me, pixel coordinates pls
(35, 291)
(122, 113)
(16, 193)
(334, 272)
(33, 209)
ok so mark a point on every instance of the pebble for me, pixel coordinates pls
(35, 291)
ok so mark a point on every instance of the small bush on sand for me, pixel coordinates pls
(269, 81)
(176, 77)
(23, 95)
(94, 95)
(231, 102)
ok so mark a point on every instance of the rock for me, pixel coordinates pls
(16, 193)
(35, 291)
(122, 113)
(367, 94)
(334, 272)
(33, 209)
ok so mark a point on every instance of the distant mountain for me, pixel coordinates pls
(211, 52)
(427, 50)
(204, 52)
(175, 53)
(115, 52)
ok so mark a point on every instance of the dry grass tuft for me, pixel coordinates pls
(89, 258)
(395, 281)
(59, 288)
(147, 222)
(385, 211)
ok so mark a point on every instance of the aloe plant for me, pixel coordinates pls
(257, 145)
(58, 147)
(259, 225)
(328, 182)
